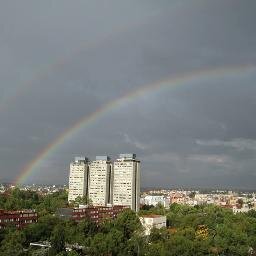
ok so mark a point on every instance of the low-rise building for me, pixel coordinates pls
(19, 219)
(96, 214)
(152, 221)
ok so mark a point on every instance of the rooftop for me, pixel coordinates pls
(152, 216)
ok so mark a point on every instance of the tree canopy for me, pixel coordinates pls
(199, 230)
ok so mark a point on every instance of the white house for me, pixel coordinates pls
(150, 221)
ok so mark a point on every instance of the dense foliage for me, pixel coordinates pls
(199, 230)
(17, 199)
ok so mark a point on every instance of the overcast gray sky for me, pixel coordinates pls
(62, 60)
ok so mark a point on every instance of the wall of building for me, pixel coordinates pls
(78, 179)
(19, 219)
(150, 221)
(97, 214)
(126, 182)
(99, 182)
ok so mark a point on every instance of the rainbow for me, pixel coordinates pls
(126, 99)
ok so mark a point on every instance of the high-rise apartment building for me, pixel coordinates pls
(99, 184)
(78, 178)
(104, 183)
(126, 181)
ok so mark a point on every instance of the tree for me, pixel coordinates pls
(192, 195)
(57, 241)
(115, 241)
(87, 227)
(40, 252)
(156, 249)
(41, 230)
(99, 245)
(12, 244)
(72, 253)
(240, 202)
(179, 245)
(147, 207)
(82, 200)
(157, 235)
(252, 213)
(72, 234)
(127, 222)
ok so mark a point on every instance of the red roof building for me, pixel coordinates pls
(97, 214)
(19, 219)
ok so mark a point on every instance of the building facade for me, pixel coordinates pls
(18, 219)
(99, 184)
(78, 178)
(96, 214)
(152, 221)
(126, 181)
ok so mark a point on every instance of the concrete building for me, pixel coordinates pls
(78, 178)
(99, 188)
(152, 221)
(126, 181)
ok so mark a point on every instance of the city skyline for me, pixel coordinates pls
(172, 81)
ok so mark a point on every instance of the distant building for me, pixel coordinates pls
(99, 189)
(155, 200)
(126, 181)
(78, 178)
(238, 209)
(96, 214)
(152, 221)
(177, 197)
(18, 219)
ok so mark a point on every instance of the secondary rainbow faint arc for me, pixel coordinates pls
(62, 61)
(49, 69)
(59, 62)
(113, 104)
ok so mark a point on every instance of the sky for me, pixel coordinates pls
(61, 61)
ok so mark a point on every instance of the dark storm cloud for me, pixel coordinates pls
(75, 57)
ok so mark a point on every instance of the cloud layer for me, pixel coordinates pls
(61, 61)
